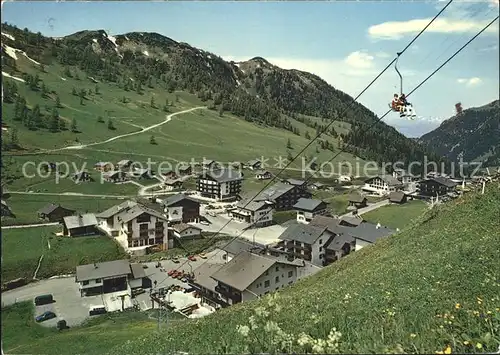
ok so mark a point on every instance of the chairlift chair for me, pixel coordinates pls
(408, 110)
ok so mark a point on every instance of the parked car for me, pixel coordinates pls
(205, 223)
(191, 258)
(45, 316)
(171, 272)
(96, 310)
(203, 256)
(176, 260)
(44, 299)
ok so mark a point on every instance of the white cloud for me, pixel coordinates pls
(382, 55)
(469, 82)
(359, 60)
(398, 29)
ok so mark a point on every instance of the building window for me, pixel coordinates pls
(277, 268)
(85, 283)
(266, 283)
(320, 248)
(98, 281)
(277, 279)
(321, 241)
(290, 273)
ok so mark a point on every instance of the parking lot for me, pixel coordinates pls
(74, 309)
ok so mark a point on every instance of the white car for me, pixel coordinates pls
(205, 223)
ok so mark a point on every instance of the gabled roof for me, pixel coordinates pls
(325, 222)
(223, 175)
(295, 182)
(172, 181)
(112, 173)
(355, 221)
(137, 271)
(136, 211)
(237, 246)
(442, 181)
(261, 172)
(396, 196)
(203, 275)
(253, 162)
(369, 232)
(389, 179)
(356, 197)
(102, 270)
(171, 200)
(308, 204)
(251, 205)
(48, 209)
(274, 192)
(124, 162)
(339, 241)
(181, 227)
(110, 212)
(243, 270)
(303, 233)
(79, 221)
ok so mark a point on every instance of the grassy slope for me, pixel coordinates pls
(449, 256)
(23, 247)
(396, 216)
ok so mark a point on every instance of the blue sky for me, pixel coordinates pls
(346, 43)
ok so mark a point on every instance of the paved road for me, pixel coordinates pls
(369, 208)
(31, 225)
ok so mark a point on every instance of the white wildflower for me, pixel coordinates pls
(261, 312)
(304, 339)
(243, 330)
(253, 323)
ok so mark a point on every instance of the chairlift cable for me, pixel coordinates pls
(322, 132)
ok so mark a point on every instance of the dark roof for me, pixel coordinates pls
(326, 222)
(102, 270)
(116, 209)
(396, 196)
(243, 270)
(85, 220)
(308, 204)
(137, 271)
(442, 181)
(224, 175)
(356, 197)
(274, 192)
(339, 241)
(136, 211)
(355, 221)
(203, 275)
(250, 205)
(389, 179)
(48, 209)
(171, 200)
(253, 162)
(304, 233)
(181, 227)
(239, 245)
(369, 232)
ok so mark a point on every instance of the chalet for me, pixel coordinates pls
(6, 211)
(205, 284)
(298, 183)
(382, 184)
(436, 186)
(249, 276)
(283, 196)
(367, 233)
(263, 175)
(237, 164)
(317, 186)
(172, 184)
(404, 176)
(82, 176)
(254, 164)
(185, 170)
(349, 221)
(114, 176)
(356, 200)
(124, 164)
(307, 209)
(211, 165)
(103, 166)
(239, 245)
(185, 231)
(109, 277)
(256, 213)
(339, 246)
(169, 174)
(80, 225)
(135, 226)
(54, 213)
(141, 174)
(181, 209)
(223, 184)
(305, 241)
(397, 197)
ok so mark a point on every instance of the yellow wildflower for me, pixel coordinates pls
(447, 350)
(413, 335)
(457, 306)
(479, 345)
(489, 312)
(466, 342)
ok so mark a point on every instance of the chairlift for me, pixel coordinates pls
(399, 103)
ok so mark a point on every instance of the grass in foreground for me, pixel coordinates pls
(396, 216)
(21, 335)
(22, 249)
(431, 286)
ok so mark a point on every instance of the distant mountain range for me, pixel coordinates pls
(473, 135)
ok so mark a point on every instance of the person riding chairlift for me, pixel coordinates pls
(396, 104)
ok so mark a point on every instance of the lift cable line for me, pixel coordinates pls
(328, 126)
(412, 91)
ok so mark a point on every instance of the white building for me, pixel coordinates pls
(382, 185)
(135, 227)
(249, 275)
(308, 208)
(224, 184)
(257, 213)
(185, 231)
